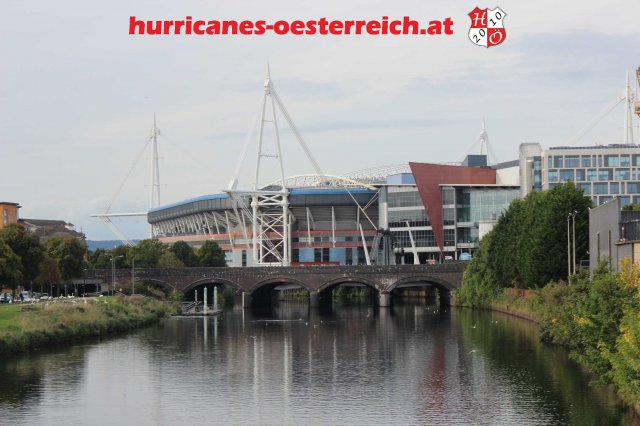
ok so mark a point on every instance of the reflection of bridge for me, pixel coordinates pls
(318, 280)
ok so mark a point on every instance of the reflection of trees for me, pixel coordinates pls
(24, 378)
(509, 350)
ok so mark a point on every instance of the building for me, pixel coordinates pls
(604, 172)
(614, 234)
(8, 213)
(47, 228)
(415, 213)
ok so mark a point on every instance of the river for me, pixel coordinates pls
(408, 365)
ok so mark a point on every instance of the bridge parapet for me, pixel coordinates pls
(383, 278)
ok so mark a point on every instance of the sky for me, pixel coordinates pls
(78, 94)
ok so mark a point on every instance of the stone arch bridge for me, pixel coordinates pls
(316, 279)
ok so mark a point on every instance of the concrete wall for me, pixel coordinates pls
(604, 234)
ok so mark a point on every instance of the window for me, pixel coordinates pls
(586, 161)
(614, 188)
(558, 161)
(448, 216)
(633, 187)
(623, 174)
(636, 159)
(605, 174)
(404, 199)
(572, 161)
(611, 160)
(5, 217)
(399, 218)
(592, 174)
(586, 187)
(448, 196)
(549, 162)
(449, 237)
(553, 175)
(625, 160)
(566, 175)
(601, 188)
(580, 173)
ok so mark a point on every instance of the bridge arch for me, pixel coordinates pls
(274, 281)
(426, 279)
(348, 280)
(160, 283)
(214, 281)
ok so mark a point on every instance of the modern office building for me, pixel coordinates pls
(604, 172)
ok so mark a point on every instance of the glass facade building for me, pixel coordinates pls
(603, 172)
(464, 207)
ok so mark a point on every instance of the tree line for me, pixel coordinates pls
(25, 261)
(527, 248)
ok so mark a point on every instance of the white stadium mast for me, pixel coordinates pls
(269, 213)
(155, 188)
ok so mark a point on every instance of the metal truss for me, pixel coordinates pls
(271, 236)
(378, 174)
(319, 181)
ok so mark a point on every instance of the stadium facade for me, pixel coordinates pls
(414, 213)
(411, 213)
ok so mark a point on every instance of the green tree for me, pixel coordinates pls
(9, 267)
(528, 245)
(169, 260)
(68, 253)
(148, 252)
(210, 254)
(27, 247)
(99, 259)
(631, 207)
(49, 274)
(184, 253)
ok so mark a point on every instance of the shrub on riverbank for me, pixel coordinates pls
(56, 323)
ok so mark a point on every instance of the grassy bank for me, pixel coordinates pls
(29, 327)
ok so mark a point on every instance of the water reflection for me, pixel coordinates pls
(350, 364)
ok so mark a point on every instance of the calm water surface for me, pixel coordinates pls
(408, 365)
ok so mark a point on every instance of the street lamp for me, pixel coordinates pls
(568, 250)
(113, 274)
(573, 218)
(570, 270)
(133, 276)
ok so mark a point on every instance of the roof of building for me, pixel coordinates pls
(506, 165)
(45, 222)
(9, 203)
(611, 146)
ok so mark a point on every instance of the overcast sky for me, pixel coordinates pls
(78, 93)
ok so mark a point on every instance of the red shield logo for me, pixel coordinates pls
(487, 27)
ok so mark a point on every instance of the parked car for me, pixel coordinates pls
(465, 256)
(5, 298)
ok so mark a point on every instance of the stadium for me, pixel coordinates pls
(408, 213)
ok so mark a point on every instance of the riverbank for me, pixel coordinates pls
(32, 327)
